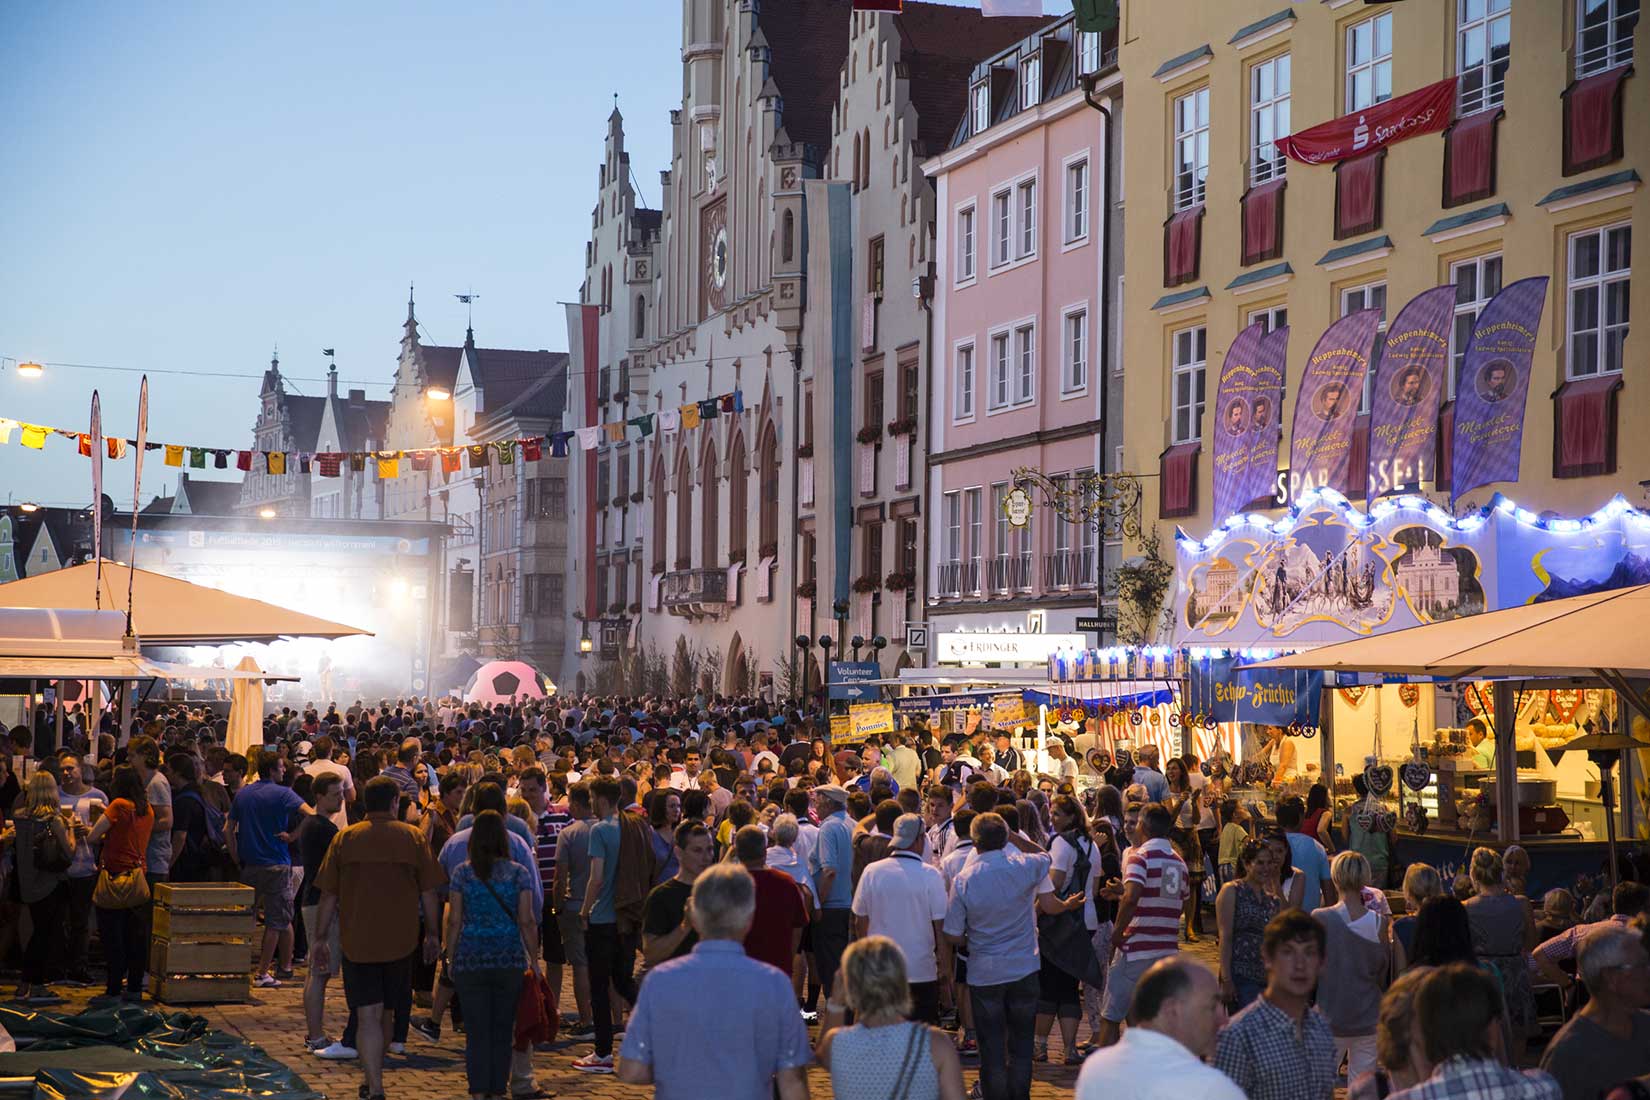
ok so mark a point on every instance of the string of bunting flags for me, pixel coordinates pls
(388, 463)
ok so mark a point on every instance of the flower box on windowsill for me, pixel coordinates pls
(768, 550)
(620, 501)
(635, 607)
(897, 582)
(865, 584)
(806, 590)
(904, 426)
(616, 607)
(658, 569)
(871, 433)
(636, 497)
(737, 557)
(805, 451)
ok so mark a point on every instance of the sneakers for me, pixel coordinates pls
(315, 1046)
(266, 980)
(577, 1033)
(594, 1063)
(810, 1018)
(427, 1029)
(398, 1048)
(337, 1052)
(285, 975)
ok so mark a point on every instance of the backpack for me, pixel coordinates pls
(212, 850)
(1064, 938)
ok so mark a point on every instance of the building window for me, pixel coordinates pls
(873, 399)
(1088, 52)
(1368, 296)
(1483, 49)
(871, 564)
(908, 536)
(1191, 148)
(1074, 372)
(999, 371)
(1369, 62)
(963, 409)
(873, 273)
(1027, 209)
(660, 516)
(953, 526)
(710, 525)
(1077, 201)
(1271, 318)
(1598, 279)
(738, 498)
(1002, 228)
(1025, 352)
(1476, 281)
(1268, 118)
(980, 106)
(767, 465)
(974, 506)
(910, 388)
(1604, 34)
(965, 244)
(1190, 354)
(1031, 81)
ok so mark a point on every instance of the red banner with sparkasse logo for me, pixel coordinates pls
(1423, 111)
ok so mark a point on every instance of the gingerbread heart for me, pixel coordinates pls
(1125, 758)
(1416, 774)
(1363, 815)
(1379, 777)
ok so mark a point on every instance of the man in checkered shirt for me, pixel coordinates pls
(1280, 1047)
(1456, 1042)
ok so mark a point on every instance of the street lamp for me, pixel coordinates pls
(30, 370)
(28, 506)
(585, 644)
(858, 643)
(877, 645)
(438, 393)
(802, 644)
(266, 512)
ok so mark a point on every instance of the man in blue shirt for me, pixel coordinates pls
(832, 865)
(1306, 855)
(257, 832)
(611, 954)
(1148, 773)
(752, 1045)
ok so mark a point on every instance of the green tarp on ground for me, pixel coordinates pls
(205, 1064)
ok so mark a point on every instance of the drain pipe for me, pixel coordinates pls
(1089, 81)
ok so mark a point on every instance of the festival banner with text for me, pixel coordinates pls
(1326, 407)
(1409, 384)
(1269, 696)
(1495, 380)
(1245, 415)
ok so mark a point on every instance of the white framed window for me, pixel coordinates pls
(1597, 281)
(1026, 209)
(1000, 371)
(963, 408)
(1074, 351)
(1191, 148)
(980, 106)
(1088, 52)
(1483, 49)
(952, 550)
(1271, 318)
(1031, 81)
(1476, 281)
(965, 243)
(1369, 62)
(1025, 356)
(1002, 228)
(1367, 296)
(1077, 200)
(974, 507)
(1604, 34)
(1268, 118)
(1191, 350)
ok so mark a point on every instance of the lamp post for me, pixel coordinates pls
(839, 612)
(803, 643)
(825, 644)
(877, 645)
(856, 643)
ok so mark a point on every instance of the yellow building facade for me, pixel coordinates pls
(1212, 82)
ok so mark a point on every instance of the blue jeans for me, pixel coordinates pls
(1005, 1017)
(489, 1026)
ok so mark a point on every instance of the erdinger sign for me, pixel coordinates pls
(1423, 111)
(986, 648)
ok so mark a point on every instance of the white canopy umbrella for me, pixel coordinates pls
(246, 710)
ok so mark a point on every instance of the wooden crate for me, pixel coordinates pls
(203, 941)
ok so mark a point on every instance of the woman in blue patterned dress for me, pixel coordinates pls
(490, 942)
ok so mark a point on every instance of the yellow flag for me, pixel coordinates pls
(690, 416)
(34, 436)
(275, 462)
(389, 469)
(174, 454)
(615, 431)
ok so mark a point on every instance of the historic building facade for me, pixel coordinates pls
(1025, 371)
(1250, 235)
(287, 423)
(349, 423)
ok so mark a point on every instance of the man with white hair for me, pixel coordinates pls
(1148, 773)
(903, 898)
(1174, 1020)
(755, 1039)
(1608, 1041)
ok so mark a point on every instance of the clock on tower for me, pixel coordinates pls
(715, 252)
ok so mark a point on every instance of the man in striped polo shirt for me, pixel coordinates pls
(1155, 887)
(552, 819)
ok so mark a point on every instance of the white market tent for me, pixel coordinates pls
(167, 611)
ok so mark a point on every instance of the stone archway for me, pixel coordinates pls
(736, 670)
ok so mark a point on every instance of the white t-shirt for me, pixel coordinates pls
(902, 896)
(1065, 860)
(318, 768)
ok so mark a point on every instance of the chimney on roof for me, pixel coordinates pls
(357, 397)
(332, 381)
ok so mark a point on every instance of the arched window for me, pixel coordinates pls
(856, 162)
(640, 322)
(768, 473)
(660, 516)
(684, 512)
(865, 179)
(738, 493)
(710, 536)
(787, 236)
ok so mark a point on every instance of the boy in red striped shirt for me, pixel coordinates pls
(1155, 888)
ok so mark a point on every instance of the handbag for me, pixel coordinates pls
(127, 890)
(50, 857)
(537, 1019)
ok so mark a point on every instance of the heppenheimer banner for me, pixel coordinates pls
(1495, 381)
(1270, 697)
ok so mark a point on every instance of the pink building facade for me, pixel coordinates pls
(1020, 374)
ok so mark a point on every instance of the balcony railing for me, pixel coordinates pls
(1059, 568)
(959, 578)
(688, 589)
(1009, 573)
(1087, 558)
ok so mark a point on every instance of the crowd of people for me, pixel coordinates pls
(713, 875)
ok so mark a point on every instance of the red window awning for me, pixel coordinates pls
(1263, 222)
(1584, 427)
(1358, 194)
(1592, 120)
(1182, 246)
(1469, 158)
(1177, 487)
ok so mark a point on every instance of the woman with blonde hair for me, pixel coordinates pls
(1395, 1068)
(45, 848)
(1421, 881)
(884, 1053)
(1357, 963)
(1503, 935)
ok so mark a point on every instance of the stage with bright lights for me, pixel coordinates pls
(384, 576)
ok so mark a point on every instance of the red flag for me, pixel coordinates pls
(243, 460)
(1422, 111)
(532, 449)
